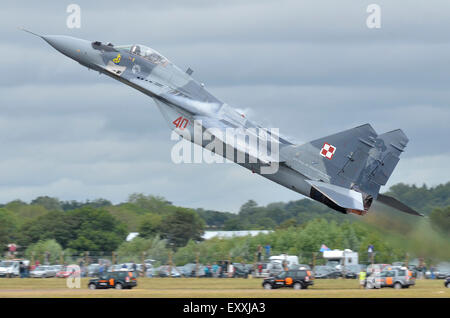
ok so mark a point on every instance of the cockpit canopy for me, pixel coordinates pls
(145, 52)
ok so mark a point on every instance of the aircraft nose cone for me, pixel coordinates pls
(77, 49)
(65, 44)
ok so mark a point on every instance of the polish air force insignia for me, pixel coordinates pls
(327, 151)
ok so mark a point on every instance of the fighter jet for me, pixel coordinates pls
(343, 171)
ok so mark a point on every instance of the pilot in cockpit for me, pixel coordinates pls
(136, 49)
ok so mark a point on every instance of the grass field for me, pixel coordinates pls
(213, 288)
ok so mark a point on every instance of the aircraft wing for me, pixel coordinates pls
(230, 137)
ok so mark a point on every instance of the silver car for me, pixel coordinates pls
(396, 277)
(58, 268)
(43, 271)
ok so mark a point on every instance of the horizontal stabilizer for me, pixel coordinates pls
(344, 198)
(394, 203)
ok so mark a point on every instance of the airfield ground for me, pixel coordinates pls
(214, 288)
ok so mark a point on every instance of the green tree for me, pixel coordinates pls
(440, 219)
(51, 204)
(287, 224)
(215, 219)
(233, 225)
(25, 211)
(249, 210)
(84, 229)
(38, 251)
(154, 248)
(148, 202)
(8, 227)
(52, 225)
(95, 230)
(150, 225)
(98, 203)
(182, 225)
(266, 223)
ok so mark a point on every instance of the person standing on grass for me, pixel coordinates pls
(223, 268)
(362, 278)
(215, 269)
(22, 269)
(260, 268)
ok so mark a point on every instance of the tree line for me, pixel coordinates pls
(299, 226)
(433, 202)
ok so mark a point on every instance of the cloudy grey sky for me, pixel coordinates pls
(311, 68)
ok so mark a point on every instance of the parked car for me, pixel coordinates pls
(43, 271)
(124, 267)
(414, 270)
(443, 274)
(442, 271)
(351, 271)
(66, 271)
(52, 269)
(302, 266)
(435, 273)
(117, 280)
(148, 270)
(274, 268)
(376, 268)
(323, 271)
(149, 263)
(129, 266)
(297, 279)
(240, 270)
(58, 268)
(264, 270)
(104, 262)
(447, 282)
(139, 267)
(250, 268)
(398, 264)
(396, 277)
(163, 271)
(192, 270)
(93, 270)
(114, 268)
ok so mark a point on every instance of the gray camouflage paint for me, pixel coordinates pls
(362, 162)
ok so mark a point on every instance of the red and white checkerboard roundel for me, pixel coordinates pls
(327, 151)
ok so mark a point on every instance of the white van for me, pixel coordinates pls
(9, 268)
(278, 260)
(339, 259)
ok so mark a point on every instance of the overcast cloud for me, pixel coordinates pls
(311, 68)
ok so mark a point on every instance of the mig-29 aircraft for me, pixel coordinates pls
(343, 171)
